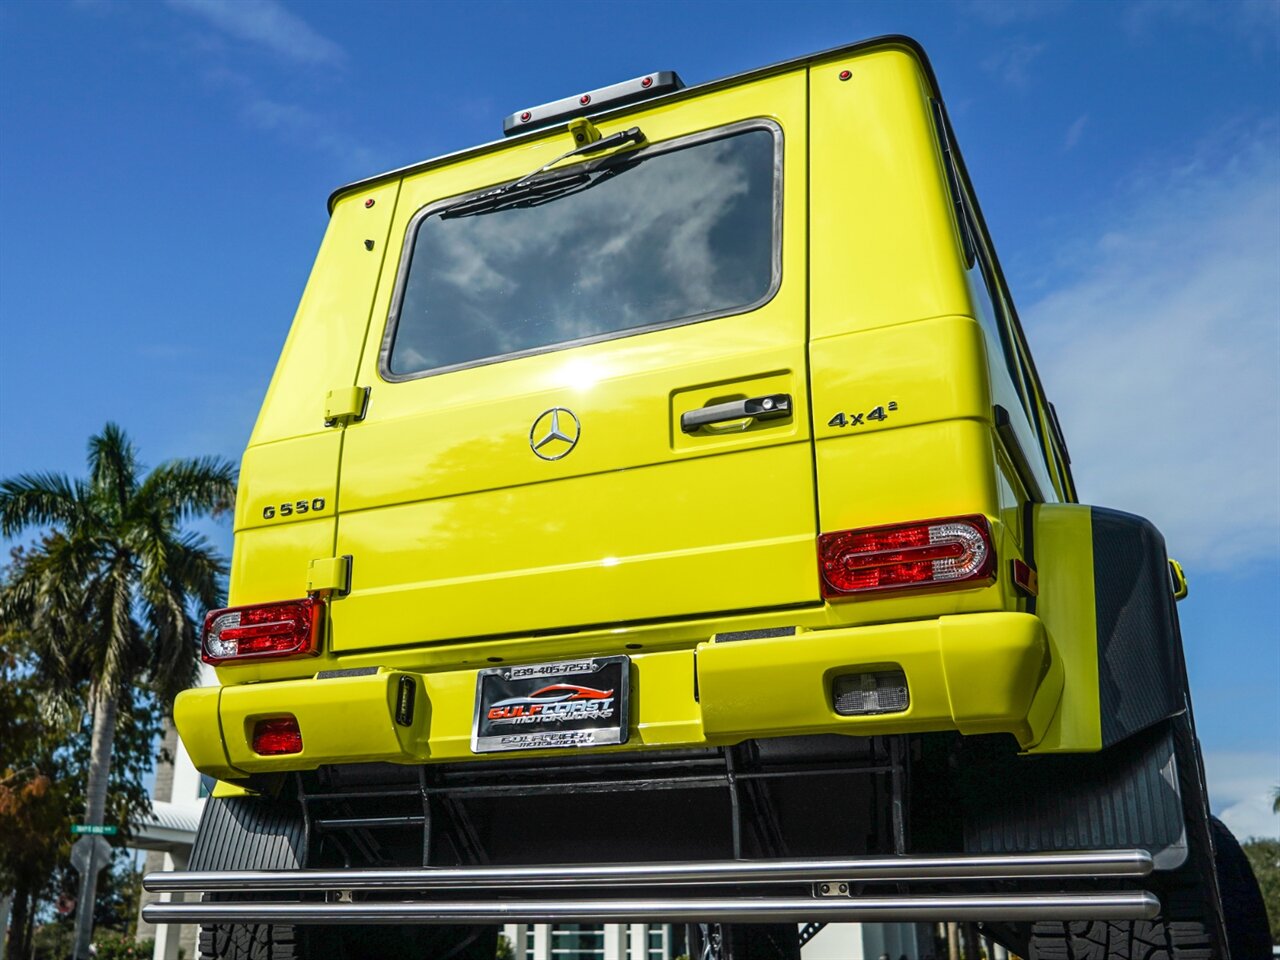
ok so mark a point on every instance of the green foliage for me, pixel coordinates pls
(118, 946)
(108, 592)
(46, 762)
(1264, 857)
(52, 941)
(35, 795)
(505, 950)
(101, 611)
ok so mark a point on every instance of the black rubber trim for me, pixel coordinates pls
(1127, 796)
(767, 633)
(1009, 440)
(349, 672)
(248, 833)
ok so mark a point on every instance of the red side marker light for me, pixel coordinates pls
(265, 630)
(927, 554)
(275, 737)
(1025, 579)
(647, 82)
(845, 74)
(584, 99)
(526, 117)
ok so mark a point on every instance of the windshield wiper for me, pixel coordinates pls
(531, 190)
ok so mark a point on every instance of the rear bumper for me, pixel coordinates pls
(975, 673)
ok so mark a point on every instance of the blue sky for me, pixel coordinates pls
(164, 168)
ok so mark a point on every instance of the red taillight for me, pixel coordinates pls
(287, 629)
(952, 550)
(274, 737)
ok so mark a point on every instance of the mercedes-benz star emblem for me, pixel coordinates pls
(555, 433)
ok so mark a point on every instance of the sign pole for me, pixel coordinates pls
(89, 855)
(84, 907)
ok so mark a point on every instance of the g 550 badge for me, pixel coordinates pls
(298, 507)
(860, 419)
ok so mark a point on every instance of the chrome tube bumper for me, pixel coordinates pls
(707, 890)
(729, 909)
(1089, 863)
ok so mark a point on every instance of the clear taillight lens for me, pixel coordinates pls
(290, 628)
(870, 693)
(901, 556)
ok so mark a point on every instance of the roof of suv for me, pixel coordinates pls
(889, 40)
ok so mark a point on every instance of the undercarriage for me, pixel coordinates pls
(789, 831)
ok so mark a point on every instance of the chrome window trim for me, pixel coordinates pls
(665, 146)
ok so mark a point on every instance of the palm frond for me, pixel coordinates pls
(39, 500)
(113, 465)
(192, 487)
(187, 570)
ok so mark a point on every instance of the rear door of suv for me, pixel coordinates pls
(525, 463)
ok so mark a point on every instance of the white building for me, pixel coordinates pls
(638, 941)
(177, 801)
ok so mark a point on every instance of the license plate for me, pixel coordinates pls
(574, 703)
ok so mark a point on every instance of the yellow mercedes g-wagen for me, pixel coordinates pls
(656, 515)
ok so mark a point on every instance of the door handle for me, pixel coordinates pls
(772, 407)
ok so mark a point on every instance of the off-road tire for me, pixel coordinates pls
(1122, 940)
(1248, 933)
(249, 833)
(258, 941)
(1209, 905)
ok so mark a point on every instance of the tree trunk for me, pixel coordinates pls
(104, 736)
(19, 944)
(104, 739)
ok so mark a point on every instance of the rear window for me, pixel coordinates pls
(684, 231)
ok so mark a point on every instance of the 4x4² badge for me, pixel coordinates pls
(555, 433)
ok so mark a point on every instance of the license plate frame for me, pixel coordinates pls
(578, 703)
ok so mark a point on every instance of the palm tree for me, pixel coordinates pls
(110, 588)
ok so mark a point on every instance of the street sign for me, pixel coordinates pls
(87, 847)
(102, 829)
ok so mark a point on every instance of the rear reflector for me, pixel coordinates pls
(266, 630)
(864, 694)
(930, 553)
(274, 737)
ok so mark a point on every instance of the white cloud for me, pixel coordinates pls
(1010, 62)
(1240, 791)
(268, 24)
(290, 122)
(1074, 131)
(1162, 355)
